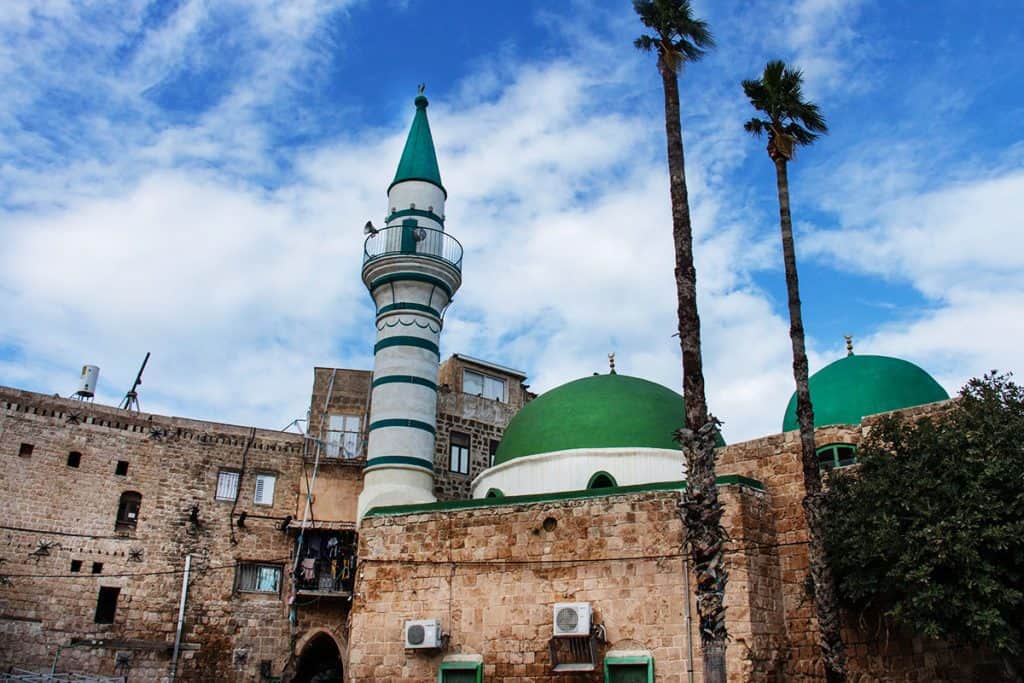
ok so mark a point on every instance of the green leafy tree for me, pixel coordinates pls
(929, 529)
(677, 37)
(790, 121)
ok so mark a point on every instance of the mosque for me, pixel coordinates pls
(436, 521)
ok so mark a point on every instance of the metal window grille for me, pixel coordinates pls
(258, 578)
(227, 485)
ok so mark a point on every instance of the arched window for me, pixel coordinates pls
(601, 480)
(836, 455)
(128, 510)
(494, 493)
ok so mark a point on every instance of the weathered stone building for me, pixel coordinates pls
(431, 522)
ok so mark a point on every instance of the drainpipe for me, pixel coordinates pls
(181, 618)
(687, 619)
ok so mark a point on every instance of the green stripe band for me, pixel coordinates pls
(399, 460)
(414, 212)
(418, 342)
(413, 277)
(409, 307)
(401, 422)
(406, 379)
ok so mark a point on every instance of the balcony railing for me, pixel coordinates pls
(413, 240)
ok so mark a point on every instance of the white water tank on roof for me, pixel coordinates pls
(87, 385)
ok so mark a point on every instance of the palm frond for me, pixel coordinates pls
(681, 37)
(779, 94)
(756, 127)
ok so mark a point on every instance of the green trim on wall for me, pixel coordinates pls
(639, 660)
(402, 422)
(601, 473)
(476, 667)
(417, 342)
(412, 277)
(399, 460)
(405, 379)
(402, 306)
(414, 212)
(727, 480)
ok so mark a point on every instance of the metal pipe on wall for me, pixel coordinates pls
(181, 619)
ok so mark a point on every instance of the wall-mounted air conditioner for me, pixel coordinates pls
(423, 634)
(572, 619)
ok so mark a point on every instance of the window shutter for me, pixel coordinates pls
(265, 489)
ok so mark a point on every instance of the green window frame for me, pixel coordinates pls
(602, 480)
(475, 668)
(836, 455)
(623, 664)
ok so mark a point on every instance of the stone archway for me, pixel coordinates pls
(319, 660)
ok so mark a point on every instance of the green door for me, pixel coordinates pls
(628, 673)
(409, 236)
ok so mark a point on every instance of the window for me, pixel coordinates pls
(461, 671)
(251, 577)
(601, 480)
(122, 468)
(74, 459)
(106, 604)
(227, 485)
(479, 384)
(628, 668)
(76, 566)
(265, 489)
(459, 453)
(494, 493)
(25, 450)
(836, 455)
(128, 509)
(343, 436)
(97, 567)
(492, 450)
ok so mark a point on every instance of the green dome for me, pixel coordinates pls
(852, 387)
(603, 411)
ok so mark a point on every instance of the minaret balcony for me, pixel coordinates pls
(414, 241)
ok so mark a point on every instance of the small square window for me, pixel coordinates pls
(76, 566)
(106, 604)
(74, 459)
(251, 577)
(97, 567)
(479, 384)
(264, 489)
(227, 485)
(492, 450)
(121, 469)
(25, 450)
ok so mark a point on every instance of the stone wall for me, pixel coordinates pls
(492, 574)
(173, 463)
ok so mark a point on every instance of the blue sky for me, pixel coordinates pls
(190, 178)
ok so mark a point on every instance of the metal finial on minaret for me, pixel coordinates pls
(421, 88)
(611, 363)
(849, 344)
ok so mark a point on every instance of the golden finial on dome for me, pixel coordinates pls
(849, 344)
(611, 362)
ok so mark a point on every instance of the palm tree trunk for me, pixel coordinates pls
(700, 510)
(825, 597)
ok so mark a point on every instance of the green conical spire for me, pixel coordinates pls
(419, 161)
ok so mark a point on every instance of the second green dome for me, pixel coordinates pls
(603, 411)
(845, 391)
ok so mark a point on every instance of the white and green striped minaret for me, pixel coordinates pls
(412, 269)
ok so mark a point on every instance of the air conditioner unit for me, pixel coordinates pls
(572, 619)
(423, 634)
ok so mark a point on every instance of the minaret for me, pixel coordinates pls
(412, 269)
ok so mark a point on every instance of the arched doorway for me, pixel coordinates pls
(319, 662)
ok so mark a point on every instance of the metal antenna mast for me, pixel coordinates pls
(131, 399)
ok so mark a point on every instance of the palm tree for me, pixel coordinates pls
(793, 121)
(677, 38)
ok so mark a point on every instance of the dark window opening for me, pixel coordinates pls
(601, 480)
(26, 450)
(106, 604)
(837, 455)
(97, 567)
(122, 468)
(459, 453)
(128, 509)
(492, 450)
(74, 459)
(494, 493)
(76, 566)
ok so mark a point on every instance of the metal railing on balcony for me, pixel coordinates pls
(413, 240)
